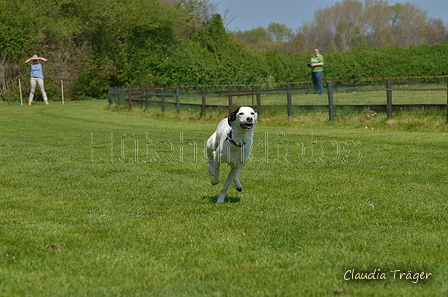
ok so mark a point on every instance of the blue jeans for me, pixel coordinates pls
(317, 81)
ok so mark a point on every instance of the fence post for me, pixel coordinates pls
(330, 100)
(120, 95)
(62, 91)
(20, 90)
(258, 100)
(141, 96)
(130, 97)
(253, 104)
(152, 93)
(389, 98)
(203, 103)
(230, 99)
(288, 98)
(146, 98)
(178, 100)
(163, 100)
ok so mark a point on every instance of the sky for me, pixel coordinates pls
(246, 15)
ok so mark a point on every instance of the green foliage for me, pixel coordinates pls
(287, 67)
(12, 40)
(421, 60)
(279, 32)
(93, 45)
(229, 60)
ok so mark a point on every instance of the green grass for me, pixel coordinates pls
(133, 217)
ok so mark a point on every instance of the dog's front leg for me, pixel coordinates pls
(237, 182)
(215, 167)
(232, 174)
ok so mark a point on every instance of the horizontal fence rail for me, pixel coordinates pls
(387, 94)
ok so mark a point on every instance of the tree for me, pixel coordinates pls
(376, 19)
(407, 22)
(334, 27)
(279, 32)
(345, 32)
(255, 40)
(435, 31)
(348, 23)
(307, 38)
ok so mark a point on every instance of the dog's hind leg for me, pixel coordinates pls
(211, 153)
(214, 171)
(211, 163)
(230, 178)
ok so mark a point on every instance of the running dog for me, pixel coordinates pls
(231, 143)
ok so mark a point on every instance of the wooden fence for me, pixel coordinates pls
(228, 96)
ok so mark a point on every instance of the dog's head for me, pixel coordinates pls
(244, 117)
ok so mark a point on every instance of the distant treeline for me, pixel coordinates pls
(91, 45)
(350, 25)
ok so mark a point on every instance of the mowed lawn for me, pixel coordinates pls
(101, 203)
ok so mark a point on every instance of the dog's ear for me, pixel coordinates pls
(232, 116)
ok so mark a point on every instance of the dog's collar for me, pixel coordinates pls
(229, 138)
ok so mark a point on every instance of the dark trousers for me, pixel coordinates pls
(317, 81)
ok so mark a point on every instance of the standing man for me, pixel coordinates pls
(37, 77)
(317, 65)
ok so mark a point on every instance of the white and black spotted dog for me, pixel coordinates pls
(231, 143)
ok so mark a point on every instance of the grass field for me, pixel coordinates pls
(102, 203)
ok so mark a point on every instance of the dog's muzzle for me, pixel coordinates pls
(248, 125)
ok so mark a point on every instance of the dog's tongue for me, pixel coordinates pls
(246, 126)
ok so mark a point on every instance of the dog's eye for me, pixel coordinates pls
(241, 113)
(252, 113)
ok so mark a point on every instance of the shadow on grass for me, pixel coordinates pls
(213, 199)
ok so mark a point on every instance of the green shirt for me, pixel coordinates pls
(317, 59)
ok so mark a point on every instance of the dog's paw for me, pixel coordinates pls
(214, 181)
(238, 185)
(221, 198)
